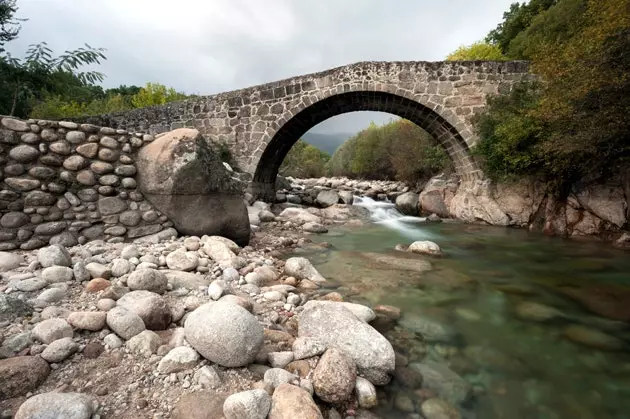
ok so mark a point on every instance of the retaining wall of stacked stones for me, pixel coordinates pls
(64, 182)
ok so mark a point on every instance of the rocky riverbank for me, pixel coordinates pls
(189, 327)
(594, 211)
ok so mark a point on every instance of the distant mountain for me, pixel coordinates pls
(326, 142)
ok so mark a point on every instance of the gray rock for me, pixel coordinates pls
(334, 377)
(22, 184)
(366, 393)
(24, 153)
(130, 218)
(124, 323)
(407, 203)
(14, 220)
(224, 333)
(327, 198)
(80, 272)
(301, 268)
(183, 186)
(50, 330)
(182, 261)
(51, 295)
(361, 312)
(14, 344)
(10, 261)
(130, 251)
(230, 275)
(31, 284)
(151, 307)
(65, 239)
(98, 270)
(148, 280)
(446, 383)
(178, 359)
(425, 247)
(279, 359)
(111, 205)
(121, 267)
(57, 405)
(145, 343)
(179, 279)
(207, 377)
(314, 228)
(59, 350)
(88, 320)
(335, 325)
(55, 274)
(216, 289)
(346, 197)
(430, 330)
(277, 376)
(252, 404)
(112, 341)
(254, 279)
(54, 255)
(221, 253)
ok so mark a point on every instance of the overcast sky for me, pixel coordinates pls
(210, 46)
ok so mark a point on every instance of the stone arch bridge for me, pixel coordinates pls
(260, 124)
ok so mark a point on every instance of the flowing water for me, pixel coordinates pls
(530, 326)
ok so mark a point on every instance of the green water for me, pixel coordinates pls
(516, 368)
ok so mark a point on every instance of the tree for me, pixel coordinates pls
(304, 161)
(9, 25)
(516, 20)
(155, 94)
(40, 73)
(477, 51)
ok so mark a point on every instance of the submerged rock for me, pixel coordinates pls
(529, 310)
(430, 330)
(593, 338)
(441, 379)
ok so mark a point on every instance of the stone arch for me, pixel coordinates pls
(280, 142)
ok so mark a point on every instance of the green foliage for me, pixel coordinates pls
(477, 51)
(304, 161)
(9, 25)
(155, 94)
(573, 123)
(516, 20)
(397, 150)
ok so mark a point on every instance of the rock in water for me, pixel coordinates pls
(439, 378)
(224, 333)
(430, 330)
(336, 326)
(180, 174)
(407, 203)
(21, 374)
(252, 404)
(425, 247)
(292, 402)
(529, 310)
(56, 405)
(593, 338)
(435, 408)
(301, 268)
(334, 377)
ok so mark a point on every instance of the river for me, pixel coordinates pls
(529, 322)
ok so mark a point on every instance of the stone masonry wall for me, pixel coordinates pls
(68, 183)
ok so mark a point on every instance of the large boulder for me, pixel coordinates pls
(336, 326)
(182, 177)
(605, 201)
(436, 196)
(224, 333)
(407, 203)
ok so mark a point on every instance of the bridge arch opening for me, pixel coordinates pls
(263, 183)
